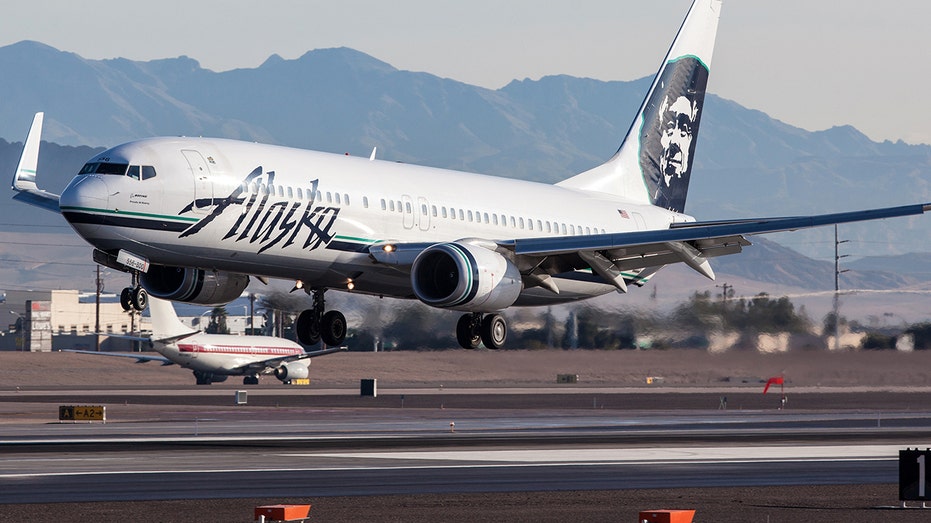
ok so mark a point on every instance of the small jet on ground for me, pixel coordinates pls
(215, 357)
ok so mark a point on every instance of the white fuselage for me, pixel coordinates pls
(287, 213)
(225, 353)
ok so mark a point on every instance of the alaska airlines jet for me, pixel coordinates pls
(214, 357)
(193, 218)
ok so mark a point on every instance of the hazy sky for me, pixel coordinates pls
(810, 63)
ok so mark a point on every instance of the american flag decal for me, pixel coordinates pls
(624, 214)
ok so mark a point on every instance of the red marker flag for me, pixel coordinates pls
(776, 380)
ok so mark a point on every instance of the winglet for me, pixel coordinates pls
(25, 177)
(24, 180)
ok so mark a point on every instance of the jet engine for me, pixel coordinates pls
(465, 277)
(293, 370)
(193, 285)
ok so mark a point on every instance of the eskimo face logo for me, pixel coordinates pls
(676, 121)
(670, 125)
(268, 222)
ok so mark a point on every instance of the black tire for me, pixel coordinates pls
(333, 328)
(140, 299)
(467, 338)
(126, 300)
(250, 380)
(494, 331)
(308, 328)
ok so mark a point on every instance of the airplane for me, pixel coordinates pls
(215, 357)
(192, 219)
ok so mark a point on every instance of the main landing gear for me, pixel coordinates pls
(314, 325)
(475, 328)
(134, 297)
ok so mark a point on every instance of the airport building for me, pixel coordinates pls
(41, 321)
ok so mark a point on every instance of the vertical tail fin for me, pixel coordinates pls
(654, 162)
(165, 322)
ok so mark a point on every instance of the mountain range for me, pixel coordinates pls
(344, 101)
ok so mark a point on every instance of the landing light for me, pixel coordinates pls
(388, 248)
(350, 285)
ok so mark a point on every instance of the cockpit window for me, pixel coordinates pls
(136, 172)
(104, 168)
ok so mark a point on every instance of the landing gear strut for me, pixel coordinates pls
(475, 328)
(313, 325)
(134, 297)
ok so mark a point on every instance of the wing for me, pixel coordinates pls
(138, 356)
(272, 363)
(24, 181)
(613, 256)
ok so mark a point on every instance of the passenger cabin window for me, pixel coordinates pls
(365, 202)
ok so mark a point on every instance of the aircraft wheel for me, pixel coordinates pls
(250, 380)
(308, 328)
(139, 299)
(333, 328)
(203, 378)
(126, 300)
(494, 331)
(467, 337)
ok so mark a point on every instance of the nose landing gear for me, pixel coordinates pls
(134, 297)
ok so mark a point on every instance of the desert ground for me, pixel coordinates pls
(509, 368)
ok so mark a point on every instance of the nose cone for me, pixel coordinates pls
(84, 199)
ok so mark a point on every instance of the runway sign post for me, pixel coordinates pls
(82, 413)
(914, 474)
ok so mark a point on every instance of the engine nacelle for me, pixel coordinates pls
(293, 370)
(465, 277)
(193, 285)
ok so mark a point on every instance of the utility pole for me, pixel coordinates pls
(252, 313)
(724, 288)
(837, 273)
(97, 310)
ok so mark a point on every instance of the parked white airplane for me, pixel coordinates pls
(215, 357)
(194, 217)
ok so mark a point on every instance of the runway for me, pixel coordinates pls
(209, 449)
